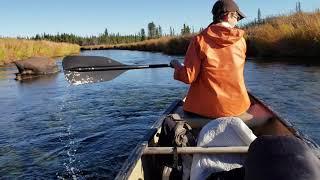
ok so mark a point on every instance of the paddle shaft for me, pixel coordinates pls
(114, 68)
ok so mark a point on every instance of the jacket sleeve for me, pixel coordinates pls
(192, 62)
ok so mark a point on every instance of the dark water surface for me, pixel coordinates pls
(51, 130)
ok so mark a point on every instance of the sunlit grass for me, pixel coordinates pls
(17, 49)
(295, 35)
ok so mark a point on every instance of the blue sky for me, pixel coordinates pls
(84, 17)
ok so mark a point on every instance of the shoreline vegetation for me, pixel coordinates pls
(12, 49)
(168, 45)
(295, 35)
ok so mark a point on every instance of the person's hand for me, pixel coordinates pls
(175, 64)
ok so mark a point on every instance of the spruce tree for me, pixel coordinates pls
(259, 15)
(143, 34)
(151, 30)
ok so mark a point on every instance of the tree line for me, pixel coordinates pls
(153, 31)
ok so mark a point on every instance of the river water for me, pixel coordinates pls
(52, 130)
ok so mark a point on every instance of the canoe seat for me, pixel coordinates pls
(195, 121)
(256, 116)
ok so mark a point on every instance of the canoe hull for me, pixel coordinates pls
(145, 166)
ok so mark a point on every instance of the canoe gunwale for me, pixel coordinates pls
(137, 153)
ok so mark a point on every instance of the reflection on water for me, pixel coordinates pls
(52, 130)
(8, 72)
(40, 80)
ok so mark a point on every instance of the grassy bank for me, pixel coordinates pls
(16, 49)
(296, 35)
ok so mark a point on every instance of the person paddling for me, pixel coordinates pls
(214, 65)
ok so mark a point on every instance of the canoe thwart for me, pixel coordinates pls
(196, 150)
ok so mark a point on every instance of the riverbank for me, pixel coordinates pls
(295, 35)
(17, 49)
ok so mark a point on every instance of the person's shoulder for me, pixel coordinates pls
(205, 31)
(239, 31)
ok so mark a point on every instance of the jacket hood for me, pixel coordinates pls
(223, 36)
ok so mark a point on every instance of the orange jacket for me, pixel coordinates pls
(214, 66)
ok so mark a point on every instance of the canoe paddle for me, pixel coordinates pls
(92, 69)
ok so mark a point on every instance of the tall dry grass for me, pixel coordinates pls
(16, 49)
(296, 35)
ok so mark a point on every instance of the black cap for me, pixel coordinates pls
(223, 6)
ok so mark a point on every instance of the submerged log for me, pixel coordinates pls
(35, 67)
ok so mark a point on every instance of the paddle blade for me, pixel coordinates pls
(78, 78)
(70, 62)
(91, 69)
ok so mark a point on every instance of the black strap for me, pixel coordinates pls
(176, 159)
